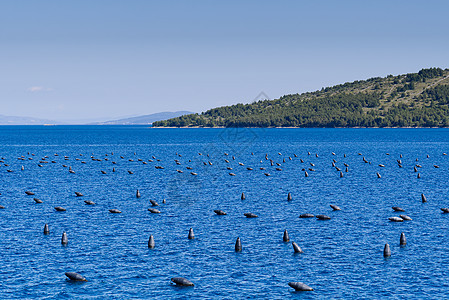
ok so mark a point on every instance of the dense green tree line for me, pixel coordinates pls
(336, 107)
(439, 94)
(424, 74)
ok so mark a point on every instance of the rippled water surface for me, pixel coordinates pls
(343, 257)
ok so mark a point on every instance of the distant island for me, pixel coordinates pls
(410, 100)
(138, 120)
(19, 120)
(145, 119)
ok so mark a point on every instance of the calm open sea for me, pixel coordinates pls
(343, 257)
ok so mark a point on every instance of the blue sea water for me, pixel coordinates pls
(342, 259)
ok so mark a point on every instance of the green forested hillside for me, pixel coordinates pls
(411, 100)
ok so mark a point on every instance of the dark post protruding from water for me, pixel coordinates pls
(296, 248)
(151, 243)
(191, 235)
(289, 197)
(402, 240)
(46, 229)
(286, 238)
(238, 245)
(243, 196)
(64, 239)
(423, 198)
(387, 251)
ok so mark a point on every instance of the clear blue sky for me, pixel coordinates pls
(89, 59)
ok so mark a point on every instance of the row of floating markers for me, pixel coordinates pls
(181, 281)
(243, 197)
(238, 246)
(306, 174)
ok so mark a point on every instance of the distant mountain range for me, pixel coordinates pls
(145, 119)
(14, 120)
(139, 120)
